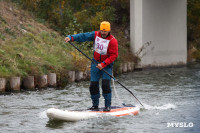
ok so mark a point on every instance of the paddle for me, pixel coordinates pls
(106, 72)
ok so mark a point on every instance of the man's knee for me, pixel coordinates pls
(94, 87)
(106, 86)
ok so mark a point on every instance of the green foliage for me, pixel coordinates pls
(69, 16)
(10, 32)
(3, 21)
(2, 37)
(193, 20)
(193, 25)
(73, 28)
(196, 55)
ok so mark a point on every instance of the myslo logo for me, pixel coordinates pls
(179, 124)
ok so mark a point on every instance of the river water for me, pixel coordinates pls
(170, 96)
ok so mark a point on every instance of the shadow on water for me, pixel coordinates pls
(56, 124)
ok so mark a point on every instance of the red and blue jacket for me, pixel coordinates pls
(112, 50)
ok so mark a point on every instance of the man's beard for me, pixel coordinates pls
(103, 36)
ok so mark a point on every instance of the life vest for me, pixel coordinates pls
(101, 47)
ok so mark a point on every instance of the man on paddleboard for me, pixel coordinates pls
(105, 52)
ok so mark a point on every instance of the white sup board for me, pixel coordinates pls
(65, 115)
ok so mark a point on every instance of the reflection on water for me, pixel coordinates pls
(169, 95)
(55, 124)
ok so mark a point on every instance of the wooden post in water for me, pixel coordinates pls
(42, 81)
(71, 75)
(78, 76)
(138, 66)
(2, 85)
(129, 69)
(28, 83)
(52, 80)
(124, 68)
(86, 75)
(132, 66)
(15, 84)
(120, 68)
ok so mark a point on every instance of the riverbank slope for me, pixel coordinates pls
(29, 47)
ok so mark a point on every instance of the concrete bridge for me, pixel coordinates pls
(158, 32)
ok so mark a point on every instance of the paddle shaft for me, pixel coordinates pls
(106, 72)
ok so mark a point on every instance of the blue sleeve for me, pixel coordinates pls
(83, 37)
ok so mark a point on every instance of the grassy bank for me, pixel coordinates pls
(29, 47)
(37, 54)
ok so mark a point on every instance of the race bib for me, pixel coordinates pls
(101, 45)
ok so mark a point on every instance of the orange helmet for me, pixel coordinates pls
(105, 26)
